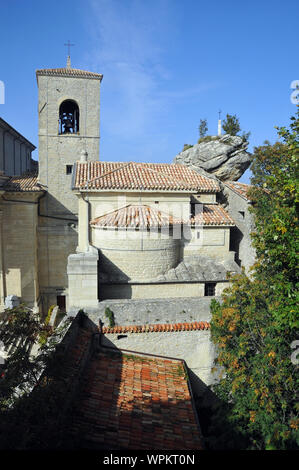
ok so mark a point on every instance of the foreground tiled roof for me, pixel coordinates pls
(68, 72)
(137, 216)
(133, 401)
(239, 188)
(212, 214)
(141, 176)
(158, 328)
(27, 182)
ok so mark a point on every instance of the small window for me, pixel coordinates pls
(242, 214)
(61, 302)
(156, 202)
(69, 169)
(210, 288)
(198, 235)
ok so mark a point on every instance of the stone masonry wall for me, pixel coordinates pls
(240, 235)
(56, 151)
(19, 221)
(152, 311)
(135, 254)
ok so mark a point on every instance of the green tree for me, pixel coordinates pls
(255, 325)
(231, 124)
(29, 398)
(203, 128)
(21, 330)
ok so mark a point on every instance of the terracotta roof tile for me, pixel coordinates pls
(161, 327)
(134, 401)
(143, 216)
(27, 182)
(135, 216)
(212, 214)
(107, 176)
(68, 72)
(239, 188)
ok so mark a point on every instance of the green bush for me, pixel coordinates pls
(110, 315)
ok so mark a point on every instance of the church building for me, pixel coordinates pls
(82, 230)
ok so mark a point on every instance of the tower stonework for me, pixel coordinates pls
(58, 149)
(69, 122)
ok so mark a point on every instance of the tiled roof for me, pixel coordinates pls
(68, 72)
(135, 216)
(133, 401)
(239, 188)
(143, 216)
(212, 214)
(27, 182)
(158, 328)
(141, 176)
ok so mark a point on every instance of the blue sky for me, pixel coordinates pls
(166, 65)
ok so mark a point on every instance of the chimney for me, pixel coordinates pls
(83, 157)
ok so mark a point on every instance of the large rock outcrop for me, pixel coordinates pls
(223, 156)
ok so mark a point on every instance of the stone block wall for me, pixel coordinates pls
(238, 208)
(136, 254)
(19, 245)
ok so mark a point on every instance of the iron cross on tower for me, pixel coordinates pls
(69, 45)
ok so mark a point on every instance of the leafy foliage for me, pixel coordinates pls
(28, 396)
(256, 323)
(22, 332)
(186, 147)
(110, 315)
(231, 126)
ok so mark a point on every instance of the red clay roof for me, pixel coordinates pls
(142, 216)
(68, 72)
(132, 401)
(212, 214)
(135, 216)
(239, 188)
(141, 176)
(157, 328)
(27, 182)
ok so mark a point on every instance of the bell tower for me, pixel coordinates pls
(69, 123)
(68, 129)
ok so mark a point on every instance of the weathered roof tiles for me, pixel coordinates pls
(212, 214)
(143, 216)
(27, 182)
(68, 72)
(161, 327)
(135, 216)
(141, 176)
(133, 401)
(239, 188)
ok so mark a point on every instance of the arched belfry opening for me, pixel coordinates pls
(68, 117)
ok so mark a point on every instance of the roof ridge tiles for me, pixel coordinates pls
(158, 327)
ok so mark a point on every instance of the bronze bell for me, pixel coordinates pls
(68, 125)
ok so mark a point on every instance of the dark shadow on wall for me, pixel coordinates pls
(236, 237)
